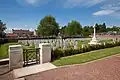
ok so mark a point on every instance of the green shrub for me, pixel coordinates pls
(57, 53)
(33, 45)
(27, 44)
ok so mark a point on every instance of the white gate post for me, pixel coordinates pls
(15, 56)
(45, 52)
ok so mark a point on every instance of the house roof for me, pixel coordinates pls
(11, 35)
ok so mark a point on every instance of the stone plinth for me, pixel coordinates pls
(94, 40)
(15, 56)
(45, 53)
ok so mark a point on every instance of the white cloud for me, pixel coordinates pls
(8, 30)
(37, 2)
(103, 12)
(31, 29)
(32, 1)
(26, 25)
(76, 3)
(93, 2)
(72, 3)
(110, 7)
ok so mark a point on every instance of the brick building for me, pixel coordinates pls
(23, 33)
(12, 36)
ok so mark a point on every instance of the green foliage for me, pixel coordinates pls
(114, 28)
(2, 29)
(4, 50)
(100, 28)
(56, 54)
(73, 28)
(33, 45)
(67, 52)
(27, 44)
(88, 56)
(48, 26)
(82, 42)
(87, 30)
(62, 31)
(103, 28)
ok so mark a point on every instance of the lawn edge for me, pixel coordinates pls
(107, 57)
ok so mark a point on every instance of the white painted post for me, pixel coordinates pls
(45, 53)
(15, 56)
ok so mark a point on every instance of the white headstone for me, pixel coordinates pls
(76, 45)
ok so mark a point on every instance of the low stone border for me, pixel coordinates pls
(20, 79)
(4, 61)
(88, 61)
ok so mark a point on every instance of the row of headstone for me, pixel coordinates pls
(55, 43)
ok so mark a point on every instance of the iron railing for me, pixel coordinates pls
(31, 56)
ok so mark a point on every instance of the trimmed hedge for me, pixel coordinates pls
(5, 40)
(57, 53)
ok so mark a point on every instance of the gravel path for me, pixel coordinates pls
(8, 74)
(106, 69)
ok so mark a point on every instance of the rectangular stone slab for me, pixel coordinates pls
(21, 72)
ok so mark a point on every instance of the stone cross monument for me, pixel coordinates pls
(94, 40)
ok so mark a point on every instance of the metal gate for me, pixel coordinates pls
(31, 56)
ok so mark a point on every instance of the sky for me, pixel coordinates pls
(26, 14)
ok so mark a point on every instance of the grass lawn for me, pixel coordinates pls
(106, 41)
(85, 42)
(4, 50)
(88, 56)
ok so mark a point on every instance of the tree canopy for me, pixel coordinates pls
(87, 30)
(48, 26)
(100, 27)
(2, 29)
(73, 28)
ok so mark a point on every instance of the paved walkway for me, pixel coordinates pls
(106, 69)
(7, 74)
(21, 72)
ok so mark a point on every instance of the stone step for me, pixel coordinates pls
(4, 61)
(25, 71)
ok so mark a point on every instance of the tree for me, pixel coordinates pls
(73, 28)
(108, 29)
(62, 30)
(48, 26)
(87, 30)
(97, 28)
(2, 29)
(115, 28)
(100, 28)
(104, 27)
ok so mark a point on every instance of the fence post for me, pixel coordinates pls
(15, 56)
(45, 52)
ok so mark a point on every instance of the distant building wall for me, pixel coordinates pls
(12, 35)
(23, 33)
